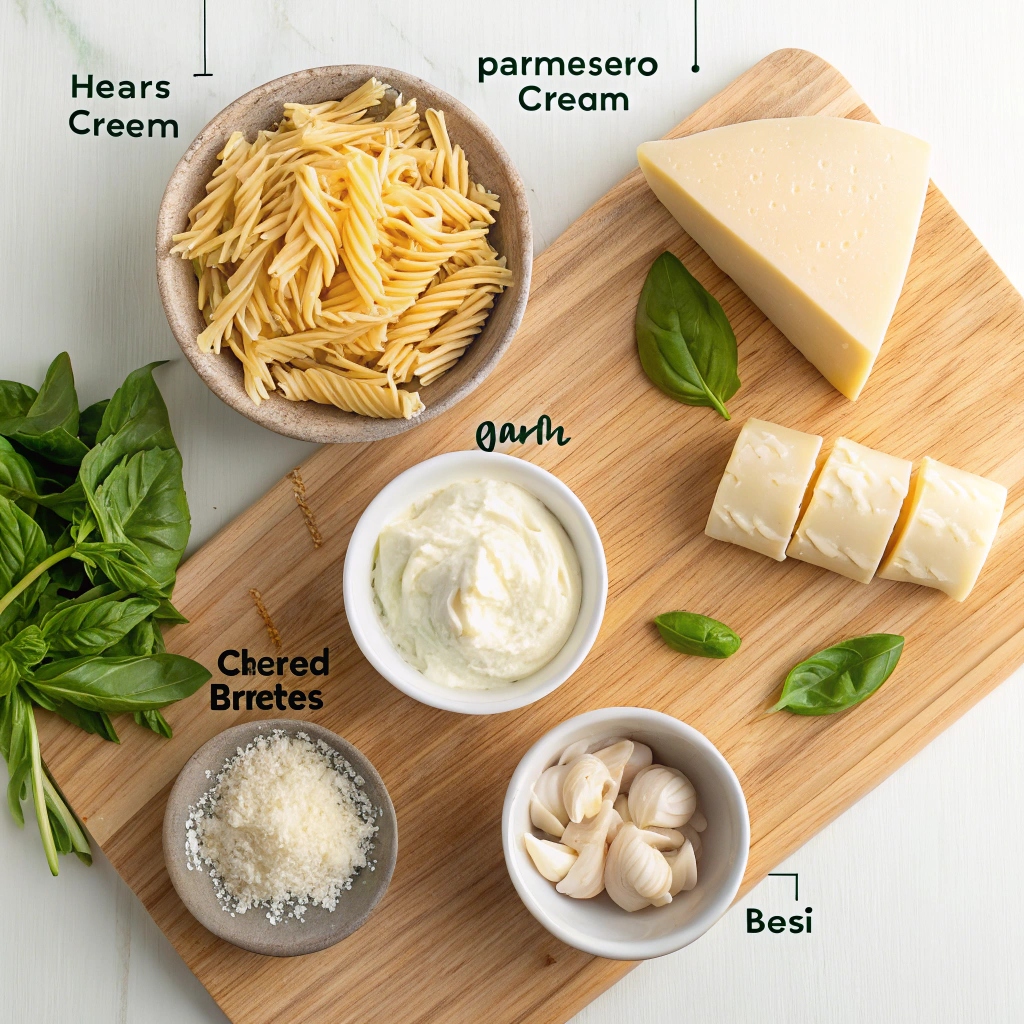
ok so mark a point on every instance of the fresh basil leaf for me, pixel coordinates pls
(91, 420)
(90, 627)
(116, 685)
(97, 722)
(839, 677)
(15, 401)
(121, 564)
(145, 638)
(18, 655)
(686, 344)
(155, 721)
(64, 503)
(22, 548)
(135, 420)
(691, 633)
(169, 614)
(50, 426)
(142, 501)
(17, 478)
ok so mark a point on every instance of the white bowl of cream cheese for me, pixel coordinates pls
(475, 582)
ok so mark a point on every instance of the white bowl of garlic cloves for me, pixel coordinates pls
(625, 833)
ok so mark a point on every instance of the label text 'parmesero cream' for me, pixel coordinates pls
(534, 97)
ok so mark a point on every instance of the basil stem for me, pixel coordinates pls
(39, 796)
(12, 595)
(695, 634)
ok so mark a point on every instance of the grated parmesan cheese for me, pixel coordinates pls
(285, 826)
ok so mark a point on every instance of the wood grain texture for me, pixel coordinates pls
(454, 940)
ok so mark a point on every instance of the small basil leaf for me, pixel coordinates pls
(169, 614)
(686, 344)
(18, 655)
(134, 420)
(145, 638)
(63, 503)
(839, 677)
(91, 420)
(15, 401)
(91, 627)
(691, 633)
(22, 548)
(122, 564)
(17, 478)
(50, 426)
(155, 721)
(116, 685)
(142, 500)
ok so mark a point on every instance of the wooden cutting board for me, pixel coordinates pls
(451, 941)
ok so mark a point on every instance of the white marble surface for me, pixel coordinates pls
(917, 906)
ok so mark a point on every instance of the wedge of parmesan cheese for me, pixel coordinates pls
(813, 217)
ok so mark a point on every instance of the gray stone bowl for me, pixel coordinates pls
(511, 235)
(252, 930)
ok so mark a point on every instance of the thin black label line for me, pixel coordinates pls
(204, 73)
(788, 874)
(696, 66)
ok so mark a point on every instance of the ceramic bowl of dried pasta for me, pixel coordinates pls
(344, 252)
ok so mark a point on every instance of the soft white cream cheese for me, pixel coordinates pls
(477, 585)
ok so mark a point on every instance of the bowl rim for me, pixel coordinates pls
(521, 783)
(282, 943)
(364, 428)
(358, 594)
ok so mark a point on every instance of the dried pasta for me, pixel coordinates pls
(340, 256)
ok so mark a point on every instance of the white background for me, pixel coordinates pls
(916, 896)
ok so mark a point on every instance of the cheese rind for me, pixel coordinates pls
(813, 217)
(758, 499)
(946, 529)
(853, 509)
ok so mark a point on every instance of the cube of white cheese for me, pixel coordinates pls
(759, 497)
(856, 501)
(813, 217)
(946, 529)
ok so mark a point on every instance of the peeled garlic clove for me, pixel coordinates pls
(663, 838)
(641, 757)
(697, 821)
(694, 837)
(622, 806)
(661, 796)
(616, 824)
(635, 873)
(592, 831)
(586, 877)
(615, 758)
(587, 783)
(683, 864)
(552, 860)
(547, 810)
(574, 750)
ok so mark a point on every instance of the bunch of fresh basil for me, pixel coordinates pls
(93, 524)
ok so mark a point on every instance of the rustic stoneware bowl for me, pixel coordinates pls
(262, 108)
(252, 930)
